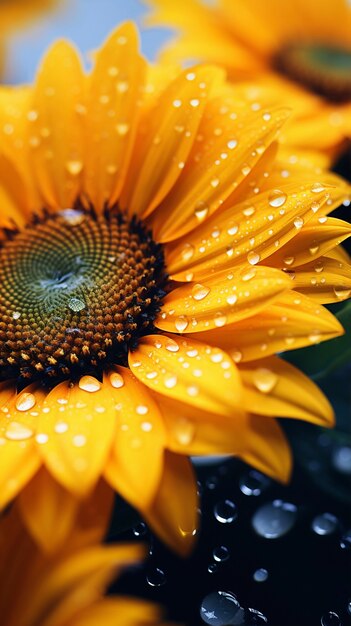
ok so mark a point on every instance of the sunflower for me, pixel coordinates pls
(155, 254)
(298, 54)
(66, 589)
(15, 13)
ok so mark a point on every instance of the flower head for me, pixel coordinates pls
(69, 587)
(155, 255)
(299, 54)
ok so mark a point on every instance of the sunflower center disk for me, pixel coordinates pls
(76, 291)
(324, 70)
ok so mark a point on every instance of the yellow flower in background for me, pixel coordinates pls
(297, 53)
(15, 14)
(155, 255)
(67, 589)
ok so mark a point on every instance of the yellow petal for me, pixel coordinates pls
(186, 369)
(288, 323)
(138, 445)
(19, 458)
(257, 225)
(210, 178)
(325, 280)
(267, 448)
(172, 130)
(221, 299)
(313, 241)
(48, 511)
(15, 208)
(112, 109)
(274, 387)
(173, 514)
(55, 127)
(75, 433)
(130, 611)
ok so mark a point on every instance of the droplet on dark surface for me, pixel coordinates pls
(225, 511)
(341, 459)
(325, 524)
(220, 608)
(221, 553)
(345, 541)
(253, 483)
(140, 529)
(212, 568)
(330, 619)
(274, 519)
(156, 577)
(260, 575)
(254, 618)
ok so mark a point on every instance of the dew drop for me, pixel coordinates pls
(199, 292)
(171, 345)
(181, 323)
(253, 257)
(116, 380)
(233, 229)
(42, 438)
(313, 249)
(317, 188)
(277, 198)
(248, 274)
(25, 401)
(325, 524)
(76, 305)
(342, 292)
(232, 299)
(170, 381)
(156, 577)
(264, 379)
(275, 519)
(201, 211)
(232, 143)
(220, 320)
(184, 431)
(122, 129)
(330, 619)
(187, 252)
(345, 541)
(221, 608)
(289, 260)
(140, 529)
(18, 432)
(341, 459)
(298, 222)
(253, 483)
(60, 427)
(260, 575)
(220, 554)
(16, 315)
(89, 383)
(74, 167)
(225, 512)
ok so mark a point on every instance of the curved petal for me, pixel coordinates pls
(112, 106)
(274, 387)
(267, 448)
(179, 368)
(55, 127)
(325, 280)
(48, 511)
(76, 428)
(221, 299)
(14, 201)
(19, 458)
(173, 126)
(313, 241)
(130, 611)
(213, 171)
(290, 322)
(173, 514)
(259, 224)
(135, 464)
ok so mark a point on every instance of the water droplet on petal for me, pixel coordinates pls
(170, 381)
(25, 401)
(317, 188)
(298, 222)
(277, 198)
(171, 345)
(89, 383)
(220, 320)
(253, 257)
(116, 380)
(18, 432)
(199, 292)
(264, 379)
(181, 323)
(74, 167)
(187, 252)
(201, 211)
(342, 292)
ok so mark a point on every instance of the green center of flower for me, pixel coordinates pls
(77, 290)
(325, 70)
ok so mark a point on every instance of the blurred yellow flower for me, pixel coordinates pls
(66, 589)
(297, 53)
(15, 14)
(155, 255)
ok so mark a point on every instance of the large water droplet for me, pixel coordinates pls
(199, 292)
(18, 432)
(264, 379)
(253, 483)
(341, 459)
(221, 553)
(220, 608)
(181, 323)
(116, 380)
(275, 519)
(25, 401)
(325, 524)
(253, 257)
(225, 511)
(277, 198)
(76, 304)
(89, 383)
